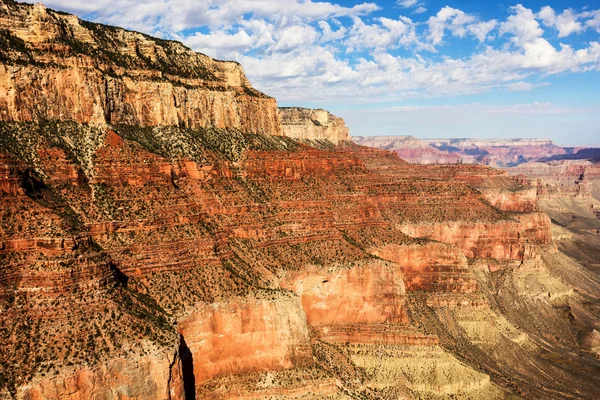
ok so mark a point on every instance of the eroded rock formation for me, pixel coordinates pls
(305, 123)
(61, 68)
(494, 152)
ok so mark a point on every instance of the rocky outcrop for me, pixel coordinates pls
(564, 178)
(431, 266)
(353, 299)
(305, 123)
(262, 333)
(62, 68)
(496, 241)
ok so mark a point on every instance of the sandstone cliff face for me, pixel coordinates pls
(149, 377)
(354, 304)
(247, 334)
(432, 266)
(304, 123)
(496, 241)
(66, 69)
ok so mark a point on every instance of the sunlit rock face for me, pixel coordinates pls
(62, 68)
(306, 123)
(268, 333)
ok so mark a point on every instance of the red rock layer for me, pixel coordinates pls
(194, 237)
(431, 267)
(505, 240)
(143, 378)
(372, 292)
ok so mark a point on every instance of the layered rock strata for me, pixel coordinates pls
(305, 123)
(493, 152)
(57, 67)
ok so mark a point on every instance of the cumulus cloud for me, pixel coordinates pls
(420, 10)
(386, 33)
(566, 23)
(481, 30)
(459, 24)
(522, 25)
(594, 19)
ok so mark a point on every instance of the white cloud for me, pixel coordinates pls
(385, 34)
(221, 41)
(407, 3)
(566, 23)
(328, 34)
(420, 10)
(594, 21)
(459, 24)
(524, 86)
(481, 30)
(522, 25)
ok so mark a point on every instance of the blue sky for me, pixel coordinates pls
(427, 68)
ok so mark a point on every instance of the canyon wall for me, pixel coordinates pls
(267, 332)
(305, 123)
(62, 68)
(148, 377)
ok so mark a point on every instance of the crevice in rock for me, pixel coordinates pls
(170, 381)
(174, 179)
(121, 277)
(31, 183)
(187, 367)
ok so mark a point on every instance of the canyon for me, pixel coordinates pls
(493, 152)
(168, 232)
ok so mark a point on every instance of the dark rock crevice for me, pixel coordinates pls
(187, 368)
(119, 276)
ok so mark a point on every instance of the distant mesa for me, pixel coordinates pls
(493, 152)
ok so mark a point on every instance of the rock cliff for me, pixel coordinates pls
(147, 258)
(58, 67)
(305, 123)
